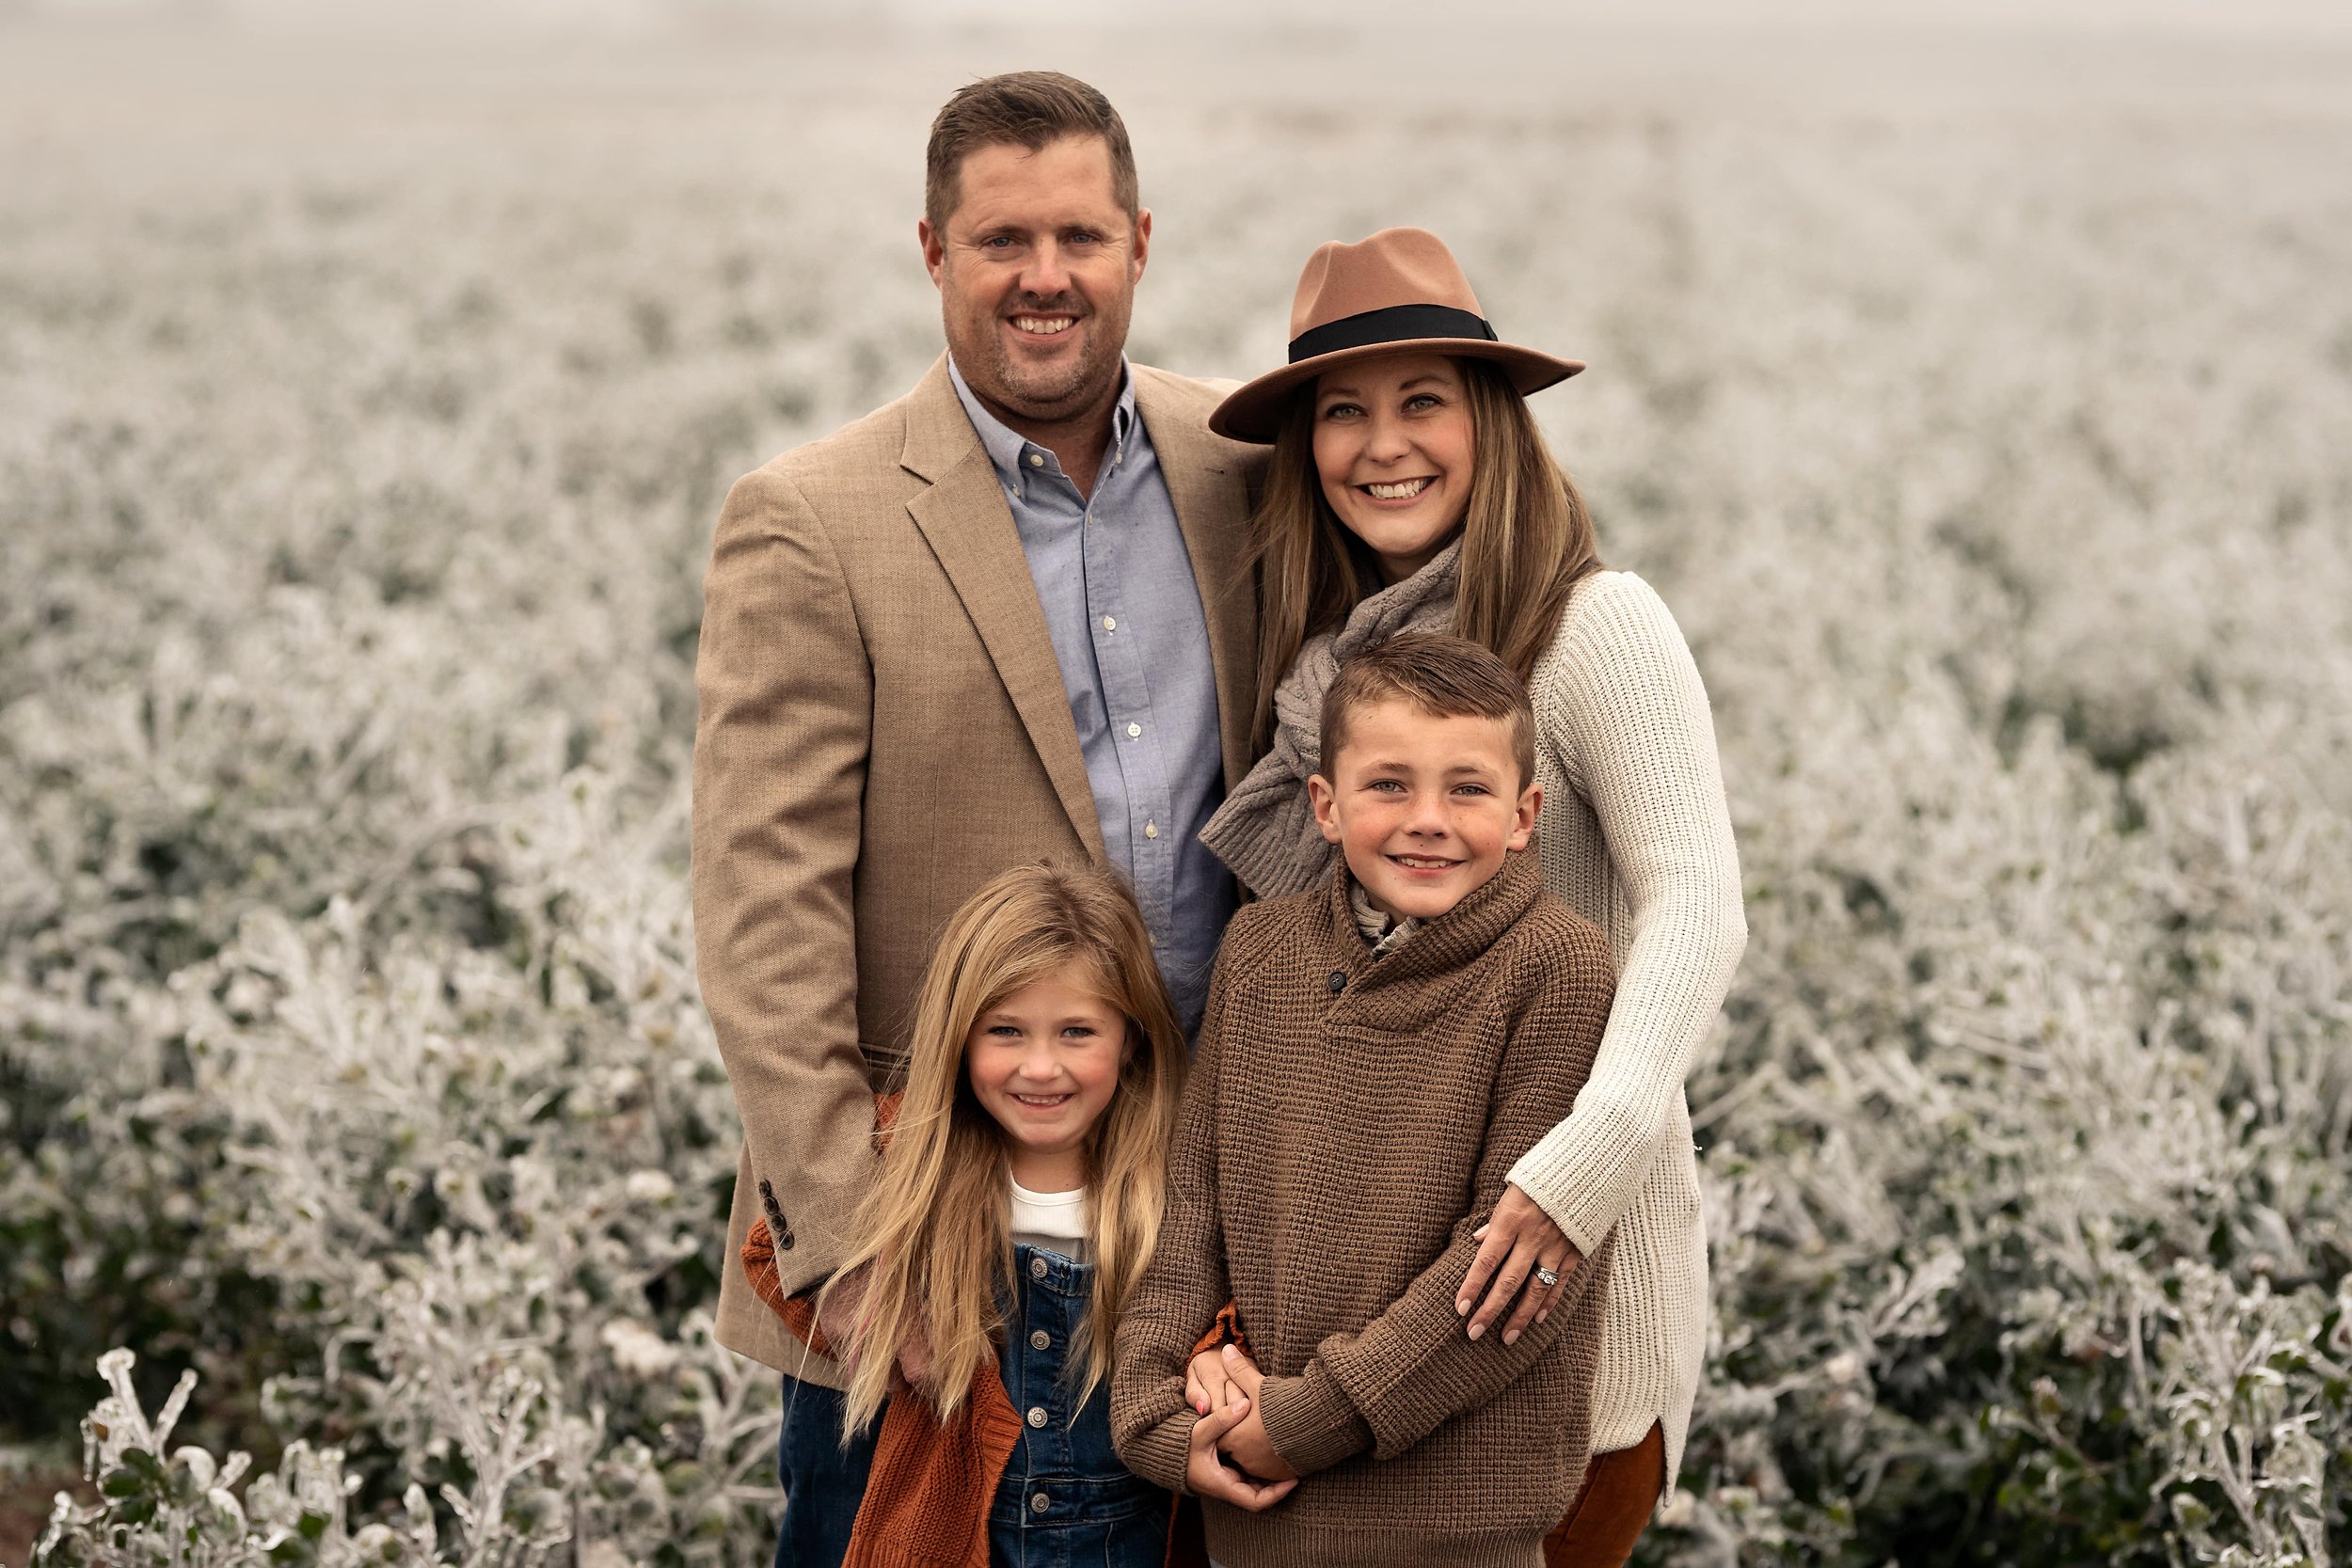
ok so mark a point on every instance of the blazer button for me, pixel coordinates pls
(1338, 981)
(1037, 1415)
(1037, 1268)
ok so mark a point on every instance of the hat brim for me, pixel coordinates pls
(1254, 411)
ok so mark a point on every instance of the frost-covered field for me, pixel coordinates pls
(1981, 404)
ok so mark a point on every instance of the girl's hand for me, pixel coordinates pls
(1208, 1385)
(1517, 1240)
(1207, 1475)
(1246, 1444)
(914, 1355)
(841, 1310)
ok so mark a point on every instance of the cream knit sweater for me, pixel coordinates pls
(1635, 836)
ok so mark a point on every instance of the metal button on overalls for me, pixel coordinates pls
(1064, 1498)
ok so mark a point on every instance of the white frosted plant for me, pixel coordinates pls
(181, 1510)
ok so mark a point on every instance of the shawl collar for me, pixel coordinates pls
(1445, 942)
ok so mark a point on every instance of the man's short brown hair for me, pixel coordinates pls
(1021, 108)
(1445, 678)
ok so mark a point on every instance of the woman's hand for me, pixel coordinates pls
(1516, 1241)
(1209, 1385)
(1247, 1444)
(1208, 1476)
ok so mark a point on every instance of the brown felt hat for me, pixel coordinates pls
(1401, 289)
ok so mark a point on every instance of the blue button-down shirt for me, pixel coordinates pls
(1121, 604)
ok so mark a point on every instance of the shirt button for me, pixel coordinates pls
(1037, 460)
(1037, 1415)
(1037, 1268)
(1039, 1503)
(1133, 730)
(1110, 624)
(1338, 981)
(1150, 830)
(1039, 1339)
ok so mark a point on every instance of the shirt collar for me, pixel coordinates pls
(1009, 451)
(1384, 934)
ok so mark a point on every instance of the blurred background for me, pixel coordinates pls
(1973, 381)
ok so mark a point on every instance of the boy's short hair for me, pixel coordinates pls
(1444, 677)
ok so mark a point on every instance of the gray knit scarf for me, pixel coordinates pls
(1266, 830)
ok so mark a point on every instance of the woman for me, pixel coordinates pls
(1410, 487)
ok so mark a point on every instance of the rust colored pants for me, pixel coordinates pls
(1620, 1490)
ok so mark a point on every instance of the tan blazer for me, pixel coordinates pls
(883, 728)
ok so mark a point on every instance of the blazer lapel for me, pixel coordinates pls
(1212, 498)
(969, 528)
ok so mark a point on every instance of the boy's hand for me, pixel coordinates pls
(1207, 1475)
(1513, 1245)
(1246, 1443)
(1208, 1385)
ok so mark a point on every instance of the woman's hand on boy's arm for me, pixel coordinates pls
(1514, 1244)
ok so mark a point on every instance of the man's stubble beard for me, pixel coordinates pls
(1092, 381)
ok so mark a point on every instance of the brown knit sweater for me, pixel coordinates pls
(1348, 1124)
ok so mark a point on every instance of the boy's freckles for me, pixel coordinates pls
(1425, 808)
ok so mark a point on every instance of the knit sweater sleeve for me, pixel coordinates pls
(1414, 1365)
(1185, 1285)
(1619, 701)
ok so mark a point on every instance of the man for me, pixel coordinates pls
(1006, 617)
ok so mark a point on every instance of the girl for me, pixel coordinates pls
(1017, 1201)
(1410, 487)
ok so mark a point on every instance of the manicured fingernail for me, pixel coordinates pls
(1545, 1313)
(1461, 1309)
(1510, 1335)
(1476, 1329)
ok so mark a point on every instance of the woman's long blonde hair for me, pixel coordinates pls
(1526, 539)
(934, 1230)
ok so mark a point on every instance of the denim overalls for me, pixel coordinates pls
(1065, 1501)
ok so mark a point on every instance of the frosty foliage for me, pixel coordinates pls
(359, 446)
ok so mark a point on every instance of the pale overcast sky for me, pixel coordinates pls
(2332, 16)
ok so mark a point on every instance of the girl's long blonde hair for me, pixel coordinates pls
(934, 1231)
(1526, 539)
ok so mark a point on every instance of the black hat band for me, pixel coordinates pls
(1390, 324)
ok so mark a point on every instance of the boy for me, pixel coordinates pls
(1376, 1055)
